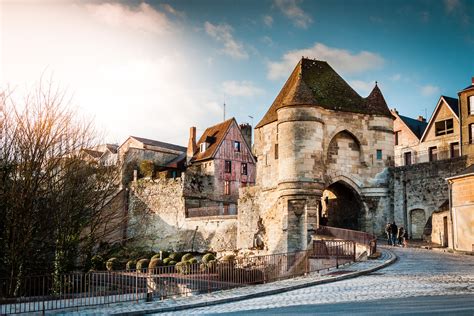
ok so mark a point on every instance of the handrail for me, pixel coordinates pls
(349, 234)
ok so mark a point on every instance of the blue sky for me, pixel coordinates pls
(155, 68)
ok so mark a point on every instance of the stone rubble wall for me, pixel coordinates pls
(420, 187)
(157, 219)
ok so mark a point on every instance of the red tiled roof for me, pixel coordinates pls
(214, 135)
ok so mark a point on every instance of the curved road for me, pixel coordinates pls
(420, 282)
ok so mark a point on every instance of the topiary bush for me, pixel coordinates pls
(175, 256)
(166, 261)
(113, 264)
(187, 257)
(97, 263)
(147, 168)
(157, 256)
(142, 264)
(172, 263)
(228, 258)
(208, 257)
(155, 263)
(192, 261)
(131, 265)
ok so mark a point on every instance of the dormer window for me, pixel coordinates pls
(236, 146)
(203, 147)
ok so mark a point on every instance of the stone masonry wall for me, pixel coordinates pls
(157, 219)
(419, 190)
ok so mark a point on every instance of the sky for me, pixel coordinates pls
(155, 68)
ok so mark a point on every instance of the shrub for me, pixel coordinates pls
(175, 256)
(113, 264)
(142, 264)
(228, 258)
(192, 260)
(157, 256)
(154, 263)
(164, 254)
(187, 257)
(182, 267)
(97, 263)
(147, 168)
(208, 257)
(166, 261)
(131, 265)
(172, 263)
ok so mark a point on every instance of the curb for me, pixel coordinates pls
(263, 293)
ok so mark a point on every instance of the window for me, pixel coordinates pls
(244, 169)
(228, 166)
(379, 154)
(227, 187)
(471, 133)
(203, 147)
(433, 153)
(470, 104)
(407, 157)
(397, 137)
(444, 127)
(276, 151)
(236, 146)
(454, 149)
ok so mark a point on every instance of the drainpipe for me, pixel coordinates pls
(451, 215)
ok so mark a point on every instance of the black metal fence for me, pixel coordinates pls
(74, 290)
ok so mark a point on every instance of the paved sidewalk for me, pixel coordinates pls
(344, 272)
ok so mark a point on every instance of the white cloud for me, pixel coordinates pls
(342, 60)
(267, 40)
(362, 87)
(168, 8)
(223, 33)
(241, 88)
(292, 11)
(128, 77)
(429, 90)
(143, 17)
(396, 77)
(268, 20)
(451, 5)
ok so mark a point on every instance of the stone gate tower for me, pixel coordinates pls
(321, 148)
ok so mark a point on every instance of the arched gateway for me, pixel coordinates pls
(321, 148)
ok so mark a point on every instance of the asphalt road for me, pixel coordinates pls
(419, 305)
(421, 282)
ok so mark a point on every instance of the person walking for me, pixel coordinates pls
(388, 231)
(394, 231)
(401, 236)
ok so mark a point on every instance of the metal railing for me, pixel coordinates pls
(348, 234)
(75, 290)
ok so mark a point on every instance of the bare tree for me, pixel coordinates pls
(52, 197)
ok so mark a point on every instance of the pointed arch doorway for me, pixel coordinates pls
(341, 206)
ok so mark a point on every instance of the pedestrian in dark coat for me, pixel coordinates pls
(388, 231)
(394, 230)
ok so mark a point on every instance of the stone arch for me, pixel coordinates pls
(342, 205)
(344, 153)
(355, 135)
(417, 223)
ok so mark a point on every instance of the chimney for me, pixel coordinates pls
(472, 81)
(246, 130)
(191, 144)
(421, 118)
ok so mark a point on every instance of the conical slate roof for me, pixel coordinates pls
(314, 82)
